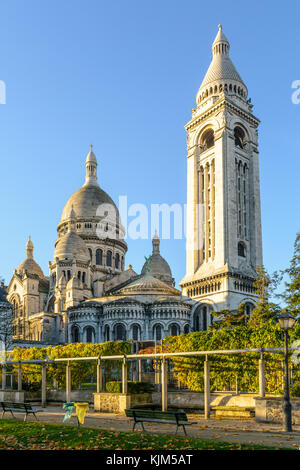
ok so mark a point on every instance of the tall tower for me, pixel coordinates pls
(224, 243)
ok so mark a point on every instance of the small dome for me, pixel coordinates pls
(71, 246)
(156, 265)
(147, 284)
(29, 264)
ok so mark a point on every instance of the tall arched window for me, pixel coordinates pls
(90, 334)
(99, 257)
(109, 258)
(106, 333)
(157, 332)
(91, 254)
(239, 137)
(207, 140)
(117, 261)
(75, 334)
(135, 332)
(174, 330)
(120, 332)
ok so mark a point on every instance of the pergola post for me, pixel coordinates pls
(157, 375)
(19, 377)
(261, 376)
(44, 385)
(164, 384)
(68, 382)
(99, 376)
(124, 376)
(3, 377)
(140, 369)
(206, 389)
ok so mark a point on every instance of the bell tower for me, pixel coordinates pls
(224, 243)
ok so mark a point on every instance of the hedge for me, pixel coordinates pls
(226, 369)
(80, 371)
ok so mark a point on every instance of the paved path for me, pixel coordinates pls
(245, 431)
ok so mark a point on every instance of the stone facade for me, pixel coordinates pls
(224, 243)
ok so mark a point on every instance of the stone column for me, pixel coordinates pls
(44, 385)
(99, 377)
(164, 385)
(68, 383)
(206, 389)
(124, 376)
(19, 377)
(261, 376)
(4, 377)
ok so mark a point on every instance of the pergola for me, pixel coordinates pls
(163, 370)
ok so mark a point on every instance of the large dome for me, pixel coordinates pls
(86, 201)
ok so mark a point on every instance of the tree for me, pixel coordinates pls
(291, 295)
(229, 318)
(265, 286)
(5, 319)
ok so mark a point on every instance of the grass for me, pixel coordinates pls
(19, 435)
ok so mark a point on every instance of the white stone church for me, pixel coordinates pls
(89, 296)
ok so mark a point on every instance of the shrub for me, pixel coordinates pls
(133, 387)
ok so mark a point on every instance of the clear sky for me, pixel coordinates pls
(123, 75)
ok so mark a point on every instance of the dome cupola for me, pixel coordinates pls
(29, 264)
(156, 265)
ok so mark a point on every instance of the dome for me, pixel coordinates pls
(147, 284)
(29, 264)
(156, 265)
(86, 201)
(71, 246)
(221, 67)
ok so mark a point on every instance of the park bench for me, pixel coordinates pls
(154, 416)
(13, 407)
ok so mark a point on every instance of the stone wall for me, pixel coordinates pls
(269, 410)
(118, 402)
(195, 400)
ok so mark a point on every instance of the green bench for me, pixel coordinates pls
(14, 407)
(151, 416)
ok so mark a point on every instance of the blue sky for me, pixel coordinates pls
(123, 75)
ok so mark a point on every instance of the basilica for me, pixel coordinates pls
(90, 296)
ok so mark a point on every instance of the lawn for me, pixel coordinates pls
(19, 435)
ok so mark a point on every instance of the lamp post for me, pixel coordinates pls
(286, 322)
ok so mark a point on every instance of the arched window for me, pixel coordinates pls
(83, 277)
(157, 332)
(108, 258)
(75, 334)
(239, 137)
(207, 140)
(120, 332)
(135, 332)
(241, 250)
(99, 257)
(106, 333)
(174, 330)
(90, 334)
(91, 253)
(117, 261)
